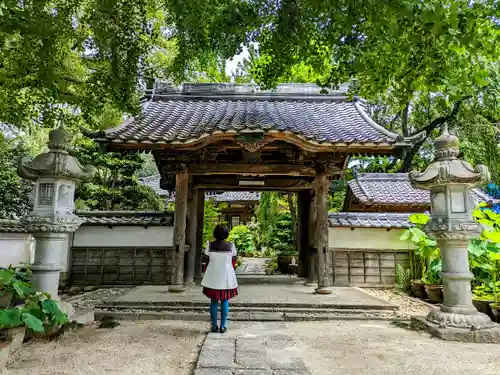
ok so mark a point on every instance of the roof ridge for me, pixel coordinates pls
(380, 176)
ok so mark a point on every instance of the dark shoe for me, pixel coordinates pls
(215, 329)
(223, 330)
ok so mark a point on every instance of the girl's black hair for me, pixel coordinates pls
(221, 232)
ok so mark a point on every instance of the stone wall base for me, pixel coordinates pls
(482, 336)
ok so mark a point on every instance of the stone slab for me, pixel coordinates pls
(273, 295)
(213, 371)
(251, 353)
(286, 359)
(253, 372)
(292, 372)
(217, 353)
(482, 336)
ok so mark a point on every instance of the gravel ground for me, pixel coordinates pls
(408, 306)
(89, 299)
(149, 347)
(380, 348)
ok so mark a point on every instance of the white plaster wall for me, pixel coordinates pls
(366, 238)
(123, 236)
(16, 249)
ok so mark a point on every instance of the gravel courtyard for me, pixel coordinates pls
(135, 348)
(343, 347)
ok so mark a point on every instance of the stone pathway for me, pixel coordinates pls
(250, 355)
(252, 266)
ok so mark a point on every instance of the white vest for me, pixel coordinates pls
(220, 273)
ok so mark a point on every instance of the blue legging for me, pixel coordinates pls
(214, 309)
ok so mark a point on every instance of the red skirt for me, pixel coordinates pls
(220, 294)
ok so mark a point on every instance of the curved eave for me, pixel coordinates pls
(203, 140)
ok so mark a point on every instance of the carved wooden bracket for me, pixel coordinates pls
(253, 146)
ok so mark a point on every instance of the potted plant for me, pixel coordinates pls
(432, 281)
(425, 248)
(482, 298)
(491, 233)
(281, 241)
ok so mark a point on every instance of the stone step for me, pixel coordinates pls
(246, 279)
(258, 316)
(235, 304)
(204, 308)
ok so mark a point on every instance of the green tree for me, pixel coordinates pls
(15, 193)
(115, 186)
(211, 218)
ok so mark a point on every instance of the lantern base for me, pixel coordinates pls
(489, 335)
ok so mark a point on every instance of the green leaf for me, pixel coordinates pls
(51, 308)
(21, 288)
(10, 318)
(420, 219)
(5, 277)
(32, 322)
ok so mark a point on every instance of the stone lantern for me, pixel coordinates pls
(450, 180)
(55, 173)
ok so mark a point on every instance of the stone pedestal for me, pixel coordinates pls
(46, 267)
(55, 174)
(451, 224)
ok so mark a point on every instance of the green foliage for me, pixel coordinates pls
(115, 186)
(403, 278)
(14, 284)
(15, 193)
(491, 235)
(425, 248)
(211, 218)
(242, 238)
(281, 236)
(58, 56)
(33, 310)
(267, 216)
(272, 266)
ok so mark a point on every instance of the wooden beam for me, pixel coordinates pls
(192, 232)
(324, 258)
(304, 197)
(181, 197)
(200, 214)
(252, 169)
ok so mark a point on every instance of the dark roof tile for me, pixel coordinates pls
(184, 116)
(393, 189)
(369, 220)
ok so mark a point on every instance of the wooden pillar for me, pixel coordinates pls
(303, 235)
(312, 274)
(324, 258)
(192, 232)
(181, 198)
(200, 215)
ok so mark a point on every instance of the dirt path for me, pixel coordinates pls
(153, 347)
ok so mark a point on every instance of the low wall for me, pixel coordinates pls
(16, 249)
(122, 254)
(367, 256)
(113, 248)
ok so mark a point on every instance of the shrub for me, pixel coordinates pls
(281, 239)
(243, 240)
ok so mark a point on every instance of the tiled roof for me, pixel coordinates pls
(197, 111)
(104, 218)
(392, 189)
(369, 220)
(126, 218)
(228, 196)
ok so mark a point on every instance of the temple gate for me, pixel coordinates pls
(225, 137)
